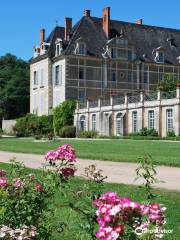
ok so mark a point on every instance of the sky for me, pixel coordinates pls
(20, 20)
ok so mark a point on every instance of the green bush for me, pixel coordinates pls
(32, 125)
(63, 115)
(88, 134)
(1, 132)
(178, 138)
(171, 133)
(152, 132)
(26, 126)
(133, 134)
(143, 132)
(45, 124)
(68, 132)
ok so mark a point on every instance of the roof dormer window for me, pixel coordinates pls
(159, 55)
(44, 48)
(81, 48)
(59, 47)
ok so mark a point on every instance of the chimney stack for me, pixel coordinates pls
(87, 13)
(106, 21)
(42, 35)
(139, 21)
(68, 27)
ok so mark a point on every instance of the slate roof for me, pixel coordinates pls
(144, 38)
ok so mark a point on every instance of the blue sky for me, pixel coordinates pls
(20, 20)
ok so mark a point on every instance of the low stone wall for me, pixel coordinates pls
(7, 125)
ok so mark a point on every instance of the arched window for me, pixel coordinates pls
(82, 123)
(119, 124)
(94, 122)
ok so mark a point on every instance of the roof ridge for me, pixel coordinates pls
(140, 25)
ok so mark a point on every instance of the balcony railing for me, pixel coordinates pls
(105, 102)
(93, 104)
(119, 100)
(150, 96)
(168, 95)
(133, 99)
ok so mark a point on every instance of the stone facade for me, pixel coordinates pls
(100, 57)
(129, 114)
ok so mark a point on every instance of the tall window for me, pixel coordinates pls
(57, 75)
(129, 76)
(35, 78)
(113, 75)
(81, 73)
(82, 96)
(42, 77)
(82, 49)
(94, 122)
(119, 124)
(134, 122)
(169, 120)
(82, 123)
(145, 77)
(151, 119)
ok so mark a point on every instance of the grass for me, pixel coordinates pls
(170, 199)
(163, 153)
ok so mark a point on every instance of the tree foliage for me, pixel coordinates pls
(168, 84)
(14, 87)
(63, 114)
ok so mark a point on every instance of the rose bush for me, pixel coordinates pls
(26, 199)
(119, 217)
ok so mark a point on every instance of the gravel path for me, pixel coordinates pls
(116, 172)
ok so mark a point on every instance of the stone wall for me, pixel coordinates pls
(7, 125)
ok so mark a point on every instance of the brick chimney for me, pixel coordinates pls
(87, 13)
(42, 35)
(106, 21)
(139, 21)
(68, 27)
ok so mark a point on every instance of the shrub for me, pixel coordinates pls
(68, 132)
(63, 115)
(171, 133)
(26, 126)
(152, 132)
(143, 132)
(88, 134)
(32, 125)
(133, 134)
(45, 124)
(24, 201)
(1, 132)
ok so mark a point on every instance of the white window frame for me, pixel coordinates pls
(151, 119)
(169, 120)
(82, 123)
(42, 77)
(119, 119)
(35, 78)
(94, 122)
(134, 121)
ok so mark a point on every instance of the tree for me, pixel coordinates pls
(14, 87)
(63, 115)
(168, 84)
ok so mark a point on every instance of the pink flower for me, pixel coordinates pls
(18, 183)
(3, 181)
(2, 172)
(39, 187)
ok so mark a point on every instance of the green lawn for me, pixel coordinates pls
(163, 153)
(169, 198)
